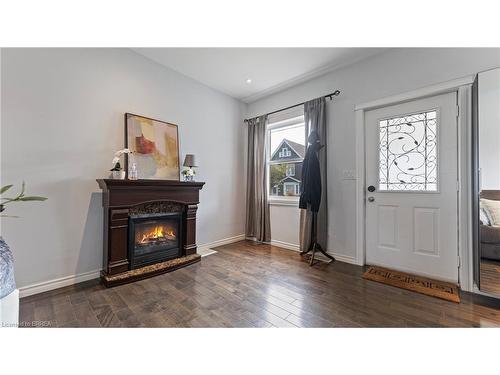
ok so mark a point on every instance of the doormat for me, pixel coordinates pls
(419, 284)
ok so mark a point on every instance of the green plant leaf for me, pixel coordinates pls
(33, 198)
(5, 188)
(23, 189)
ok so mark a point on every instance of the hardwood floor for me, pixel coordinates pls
(251, 285)
(490, 276)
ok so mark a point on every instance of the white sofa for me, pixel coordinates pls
(9, 310)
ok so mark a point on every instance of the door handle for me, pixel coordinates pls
(371, 199)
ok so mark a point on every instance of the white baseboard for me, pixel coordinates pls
(206, 253)
(45, 286)
(224, 241)
(285, 245)
(344, 258)
(296, 247)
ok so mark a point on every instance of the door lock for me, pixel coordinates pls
(371, 199)
(371, 188)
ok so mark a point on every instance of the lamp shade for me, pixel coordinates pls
(190, 161)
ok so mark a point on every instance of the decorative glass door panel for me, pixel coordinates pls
(408, 155)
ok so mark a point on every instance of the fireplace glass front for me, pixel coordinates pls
(154, 238)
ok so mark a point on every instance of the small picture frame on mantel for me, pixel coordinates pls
(155, 147)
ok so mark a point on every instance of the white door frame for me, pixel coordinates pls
(463, 88)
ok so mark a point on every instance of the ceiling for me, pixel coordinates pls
(270, 69)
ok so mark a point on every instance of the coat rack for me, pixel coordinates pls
(314, 147)
(315, 246)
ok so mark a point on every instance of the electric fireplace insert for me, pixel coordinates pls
(154, 238)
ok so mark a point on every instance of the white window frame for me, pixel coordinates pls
(281, 120)
(292, 169)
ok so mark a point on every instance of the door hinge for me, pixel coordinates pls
(458, 185)
(458, 110)
(458, 261)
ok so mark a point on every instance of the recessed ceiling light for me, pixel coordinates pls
(249, 80)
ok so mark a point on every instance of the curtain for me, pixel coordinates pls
(258, 223)
(315, 119)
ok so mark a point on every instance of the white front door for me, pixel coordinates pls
(411, 182)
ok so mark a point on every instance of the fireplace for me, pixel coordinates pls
(154, 238)
(149, 228)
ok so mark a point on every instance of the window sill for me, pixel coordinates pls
(284, 202)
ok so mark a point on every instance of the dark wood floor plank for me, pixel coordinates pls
(253, 285)
(490, 276)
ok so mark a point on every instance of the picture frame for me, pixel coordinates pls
(155, 147)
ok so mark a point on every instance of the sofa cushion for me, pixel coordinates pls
(490, 234)
(492, 210)
(490, 251)
(483, 217)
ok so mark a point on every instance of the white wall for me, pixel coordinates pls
(284, 224)
(489, 129)
(62, 120)
(390, 73)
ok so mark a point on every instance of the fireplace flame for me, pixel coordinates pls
(158, 233)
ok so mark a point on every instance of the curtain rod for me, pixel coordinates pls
(329, 96)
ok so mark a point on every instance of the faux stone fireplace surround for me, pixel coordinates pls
(122, 198)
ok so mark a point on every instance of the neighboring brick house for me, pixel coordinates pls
(286, 168)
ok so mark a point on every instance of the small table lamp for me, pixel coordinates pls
(190, 162)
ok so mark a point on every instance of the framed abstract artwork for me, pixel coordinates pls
(155, 147)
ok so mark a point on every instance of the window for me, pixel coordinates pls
(286, 140)
(285, 152)
(408, 153)
(291, 188)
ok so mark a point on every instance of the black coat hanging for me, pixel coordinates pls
(311, 175)
(310, 196)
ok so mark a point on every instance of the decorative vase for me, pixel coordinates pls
(118, 175)
(7, 282)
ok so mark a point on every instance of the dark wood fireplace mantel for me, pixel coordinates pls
(123, 197)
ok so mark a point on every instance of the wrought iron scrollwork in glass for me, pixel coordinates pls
(408, 153)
